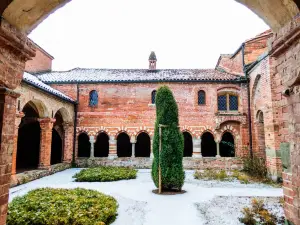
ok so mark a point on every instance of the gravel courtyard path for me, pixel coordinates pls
(139, 206)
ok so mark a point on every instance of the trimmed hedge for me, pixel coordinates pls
(48, 206)
(172, 142)
(107, 173)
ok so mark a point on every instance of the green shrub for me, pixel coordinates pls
(108, 173)
(211, 174)
(49, 206)
(171, 154)
(255, 167)
(258, 214)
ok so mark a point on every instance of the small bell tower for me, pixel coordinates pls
(152, 61)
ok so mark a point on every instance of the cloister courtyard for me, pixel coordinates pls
(205, 202)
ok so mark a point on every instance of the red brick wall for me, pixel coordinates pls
(232, 65)
(128, 107)
(41, 62)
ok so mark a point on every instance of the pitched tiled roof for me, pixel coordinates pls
(136, 75)
(34, 81)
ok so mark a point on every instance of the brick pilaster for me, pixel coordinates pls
(46, 125)
(15, 50)
(68, 142)
(18, 119)
(7, 118)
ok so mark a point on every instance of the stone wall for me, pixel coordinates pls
(146, 163)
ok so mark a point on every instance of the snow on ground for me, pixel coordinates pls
(139, 206)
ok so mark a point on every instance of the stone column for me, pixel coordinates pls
(19, 117)
(46, 125)
(92, 141)
(68, 142)
(15, 50)
(197, 148)
(112, 148)
(133, 142)
(151, 149)
(218, 149)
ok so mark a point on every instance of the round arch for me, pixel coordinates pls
(64, 114)
(188, 144)
(28, 146)
(227, 145)
(124, 148)
(38, 106)
(84, 145)
(143, 145)
(208, 145)
(102, 145)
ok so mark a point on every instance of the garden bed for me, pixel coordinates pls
(105, 174)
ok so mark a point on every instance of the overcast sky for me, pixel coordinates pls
(121, 33)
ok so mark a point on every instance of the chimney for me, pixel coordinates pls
(152, 61)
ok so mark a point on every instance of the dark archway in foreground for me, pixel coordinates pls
(102, 145)
(123, 145)
(143, 145)
(28, 149)
(84, 145)
(188, 144)
(208, 145)
(227, 145)
(56, 148)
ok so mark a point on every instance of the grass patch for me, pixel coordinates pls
(105, 174)
(50, 206)
(242, 176)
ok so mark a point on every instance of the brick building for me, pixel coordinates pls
(116, 111)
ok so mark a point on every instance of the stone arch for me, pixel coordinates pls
(275, 13)
(208, 129)
(65, 114)
(39, 107)
(188, 144)
(208, 144)
(143, 144)
(28, 145)
(101, 144)
(58, 135)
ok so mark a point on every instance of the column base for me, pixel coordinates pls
(151, 156)
(218, 156)
(44, 167)
(197, 156)
(112, 156)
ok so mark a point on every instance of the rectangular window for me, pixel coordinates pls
(222, 102)
(233, 103)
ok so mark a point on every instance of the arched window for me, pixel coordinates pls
(93, 98)
(201, 98)
(153, 96)
(228, 102)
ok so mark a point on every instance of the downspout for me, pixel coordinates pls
(249, 103)
(75, 125)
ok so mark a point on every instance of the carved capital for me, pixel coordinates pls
(46, 123)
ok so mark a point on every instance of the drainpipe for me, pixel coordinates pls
(75, 124)
(249, 103)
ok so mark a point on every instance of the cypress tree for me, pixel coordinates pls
(171, 154)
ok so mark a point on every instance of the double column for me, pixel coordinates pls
(46, 125)
(197, 148)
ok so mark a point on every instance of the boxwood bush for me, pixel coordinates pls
(108, 173)
(48, 206)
